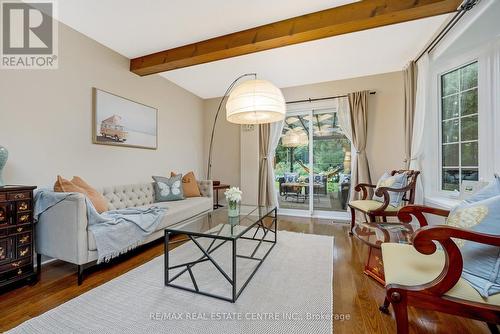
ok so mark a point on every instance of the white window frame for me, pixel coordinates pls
(488, 61)
(440, 135)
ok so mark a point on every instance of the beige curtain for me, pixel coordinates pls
(264, 191)
(358, 105)
(410, 85)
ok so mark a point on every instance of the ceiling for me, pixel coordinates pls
(166, 24)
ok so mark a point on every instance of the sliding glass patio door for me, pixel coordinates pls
(312, 165)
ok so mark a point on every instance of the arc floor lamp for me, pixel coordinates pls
(252, 102)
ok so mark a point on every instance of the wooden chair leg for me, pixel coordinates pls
(399, 304)
(372, 218)
(493, 328)
(353, 220)
(385, 307)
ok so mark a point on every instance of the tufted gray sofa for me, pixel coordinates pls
(62, 233)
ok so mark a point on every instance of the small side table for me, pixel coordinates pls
(374, 234)
(216, 191)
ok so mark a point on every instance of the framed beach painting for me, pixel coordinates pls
(122, 122)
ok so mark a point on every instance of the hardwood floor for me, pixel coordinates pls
(356, 296)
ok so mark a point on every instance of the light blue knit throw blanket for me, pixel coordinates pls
(115, 232)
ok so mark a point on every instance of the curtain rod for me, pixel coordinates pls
(321, 98)
(464, 8)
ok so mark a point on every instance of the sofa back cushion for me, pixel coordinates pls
(127, 196)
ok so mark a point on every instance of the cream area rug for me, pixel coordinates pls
(290, 293)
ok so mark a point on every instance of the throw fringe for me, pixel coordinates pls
(108, 257)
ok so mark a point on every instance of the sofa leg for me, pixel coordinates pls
(38, 265)
(353, 220)
(80, 274)
(385, 307)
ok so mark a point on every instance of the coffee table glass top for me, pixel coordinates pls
(374, 234)
(217, 224)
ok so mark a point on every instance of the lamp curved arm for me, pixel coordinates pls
(228, 90)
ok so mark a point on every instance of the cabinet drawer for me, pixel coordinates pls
(20, 272)
(4, 232)
(23, 218)
(19, 195)
(6, 250)
(3, 197)
(20, 229)
(17, 264)
(24, 239)
(23, 251)
(23, 205)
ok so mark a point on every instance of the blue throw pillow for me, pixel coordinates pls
(291, 177)
(397, 181)
(481, 262)
(168, 189)
(491, 190)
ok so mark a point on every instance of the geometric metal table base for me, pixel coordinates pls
(232, 279)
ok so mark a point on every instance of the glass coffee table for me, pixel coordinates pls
(220, 249)
(374, 234)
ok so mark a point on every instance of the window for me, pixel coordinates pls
(459, 127)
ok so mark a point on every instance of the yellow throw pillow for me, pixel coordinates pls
(99, 201)
(66, 186)
(189, 185)
(78, 185)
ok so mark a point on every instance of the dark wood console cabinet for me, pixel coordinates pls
(16, 235)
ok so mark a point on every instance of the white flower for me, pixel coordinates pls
(233, 194)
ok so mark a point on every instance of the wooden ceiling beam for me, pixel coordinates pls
(345, 19)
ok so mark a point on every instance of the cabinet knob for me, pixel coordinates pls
(18, 196)
(19, 229)
(20, 271)
(24, 239)
(16, 264)
(24, 251)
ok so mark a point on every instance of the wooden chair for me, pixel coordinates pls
(433, 281)
(373, 209)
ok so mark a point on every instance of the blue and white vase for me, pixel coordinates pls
(4, 154)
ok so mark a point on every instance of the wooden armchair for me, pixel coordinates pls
(433, 281)
(373, 209)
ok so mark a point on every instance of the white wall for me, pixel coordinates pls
(45, 119)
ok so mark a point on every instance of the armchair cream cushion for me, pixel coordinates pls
(404, 265)
(370, 205)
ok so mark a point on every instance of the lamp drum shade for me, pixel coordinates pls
(255, 102)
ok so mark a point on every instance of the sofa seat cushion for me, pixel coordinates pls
(370, 205)
(177, 211)
(404, 265)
